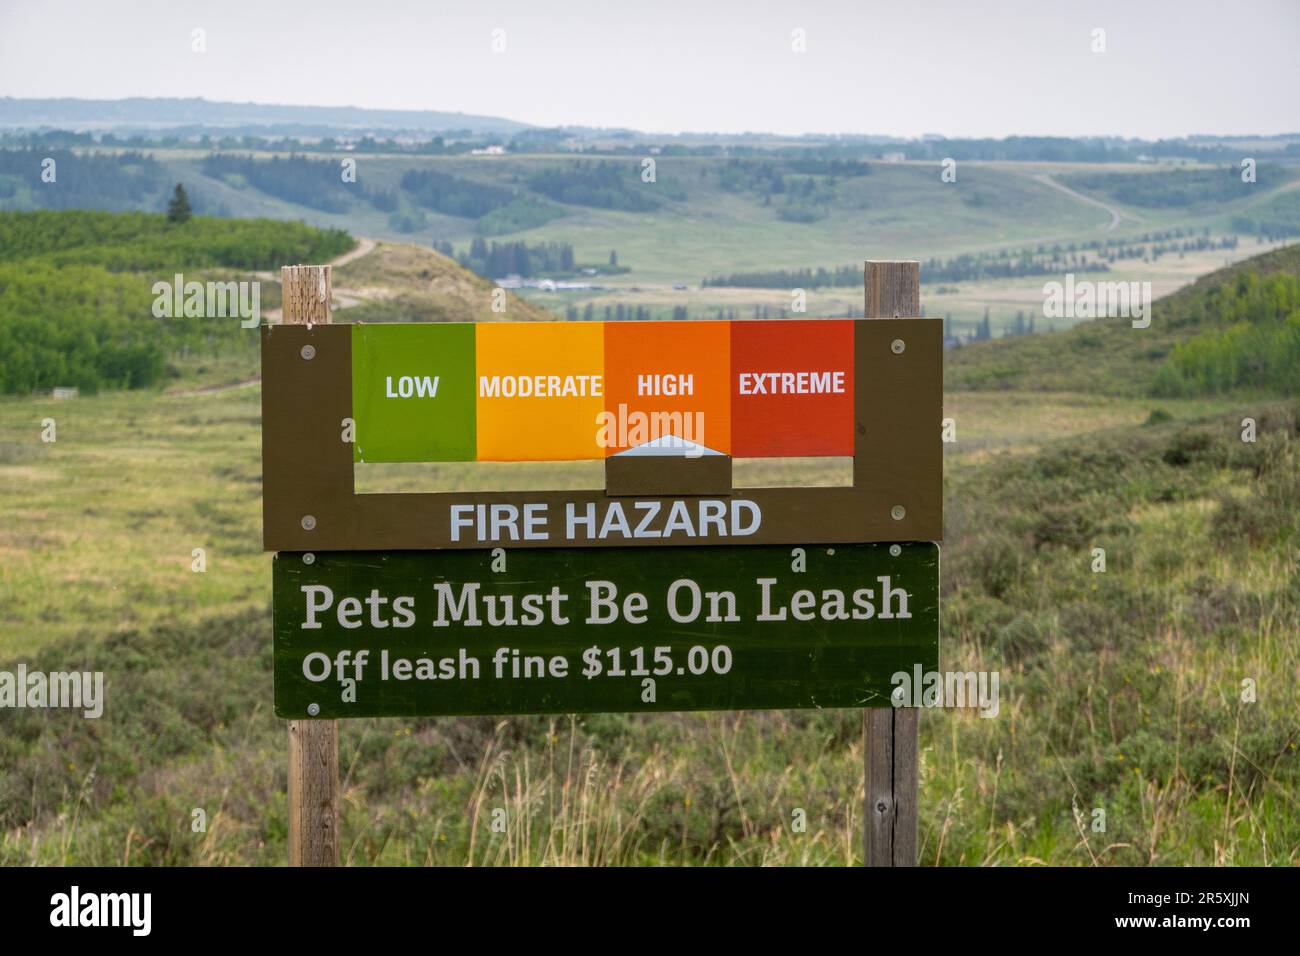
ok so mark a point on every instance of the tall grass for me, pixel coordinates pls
(1122, 692)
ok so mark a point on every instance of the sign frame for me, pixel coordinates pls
(310, 500)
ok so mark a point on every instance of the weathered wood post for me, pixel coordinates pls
(313, 744)
(890, 734)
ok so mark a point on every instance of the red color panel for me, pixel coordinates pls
(792, 388)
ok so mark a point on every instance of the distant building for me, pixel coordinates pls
(493, 150)
(893, 157)
(63, 394)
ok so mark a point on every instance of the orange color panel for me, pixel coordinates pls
(667, 379)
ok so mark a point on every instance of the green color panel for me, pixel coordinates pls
(388, 605)
(413, 392)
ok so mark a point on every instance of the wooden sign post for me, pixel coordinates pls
(890, 739)
(313, 744)
(546, 602)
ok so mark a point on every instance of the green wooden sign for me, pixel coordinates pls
(409, 633)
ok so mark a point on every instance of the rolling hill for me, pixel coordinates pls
(77, 299)
(1110, 356)
(143, 113)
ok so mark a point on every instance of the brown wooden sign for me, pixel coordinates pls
(310, 502)
(318, 378)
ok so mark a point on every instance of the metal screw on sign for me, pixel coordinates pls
(309, 558)
(309, 352)
(308, 523)
(898, 512)
(313, 709)
(894, 549)
(898, 346)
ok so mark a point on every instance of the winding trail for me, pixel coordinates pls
(1116, 217)
(365, 245)
(343, 298)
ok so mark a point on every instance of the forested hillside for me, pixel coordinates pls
(1235, 329)
(76, 291)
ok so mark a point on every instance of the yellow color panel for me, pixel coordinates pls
(540, 390)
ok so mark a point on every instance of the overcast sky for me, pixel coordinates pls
(956, 67)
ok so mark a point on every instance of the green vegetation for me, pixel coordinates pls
(518, 215)
(605, 185)
(496, 208)
(519, 258)
(77, 292)
(455, 195)
(315, 183)
(1130, 681)
(1111, 357)
(1178, 187)
(139, 242)
(82, 326)
(1120, 689)
(83, 180)
(1279, 218)
(1253, 341)
(1056, 259)
(178, 208)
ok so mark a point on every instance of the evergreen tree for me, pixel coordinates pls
(178, 209)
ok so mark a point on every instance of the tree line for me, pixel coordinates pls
(314, 183)
(603, 185)
(84, 180)
(1176, 188)
(496, 260)
(138, 241)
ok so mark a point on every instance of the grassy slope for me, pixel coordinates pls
(1105, 355)
(415, 284)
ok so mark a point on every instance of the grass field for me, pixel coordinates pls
(1163, 691)
(1121, 690)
